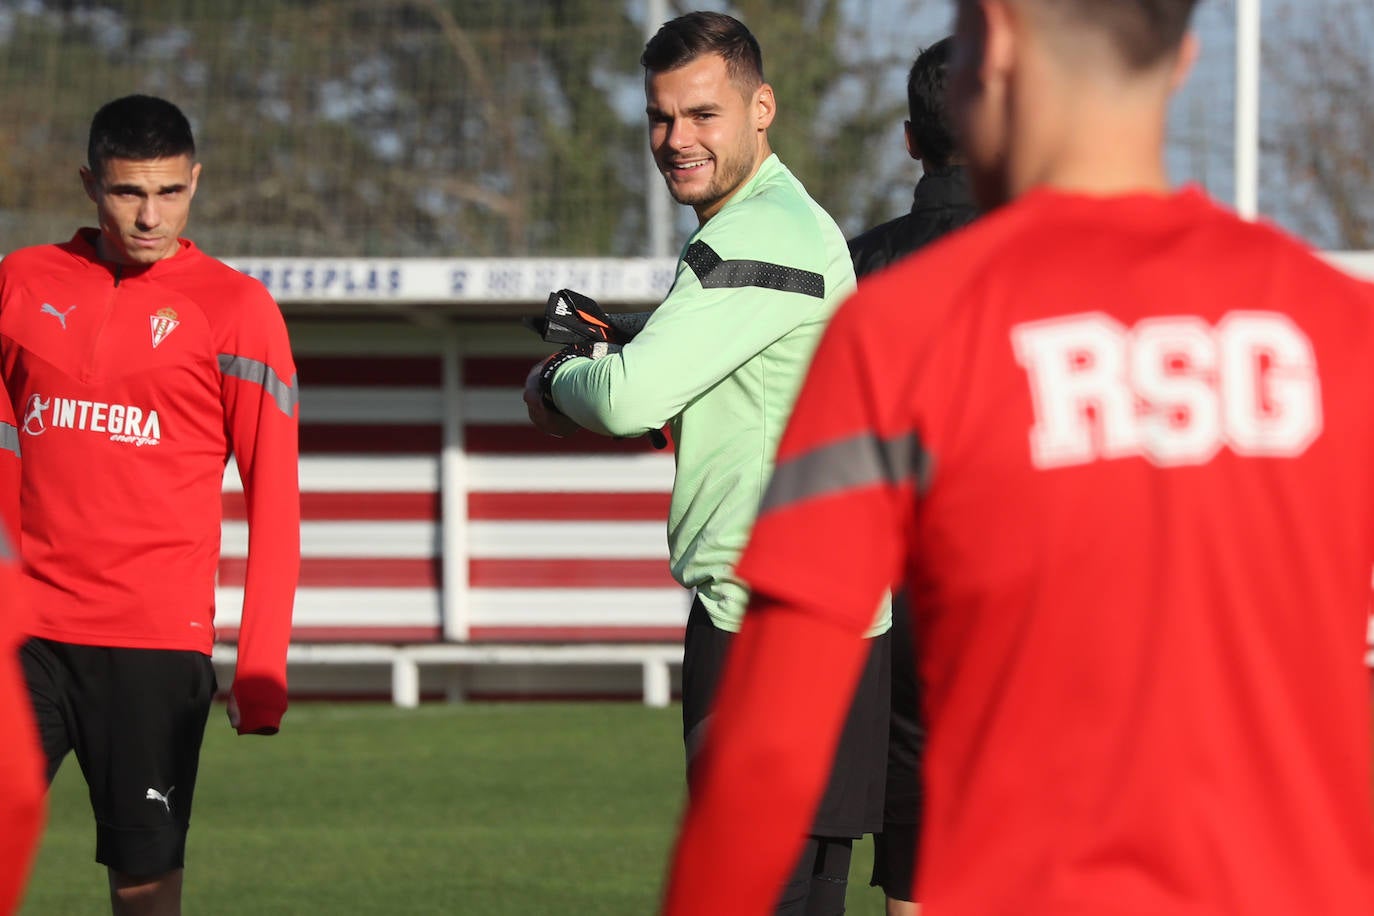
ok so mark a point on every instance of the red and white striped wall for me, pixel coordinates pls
(431, 509)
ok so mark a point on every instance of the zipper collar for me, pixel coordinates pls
(83, 247)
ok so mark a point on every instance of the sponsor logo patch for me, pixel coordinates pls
(124, 423)
(33, 415)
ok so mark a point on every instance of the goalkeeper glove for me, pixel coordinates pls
(586, 329)
(572, 318)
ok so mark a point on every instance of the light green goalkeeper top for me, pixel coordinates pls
(721, 360)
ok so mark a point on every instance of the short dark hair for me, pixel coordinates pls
(138, 127)
(1143, 31)
(682, 40)
(925, 101)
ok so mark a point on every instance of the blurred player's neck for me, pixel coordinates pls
(1090, 131)
(1091, 148)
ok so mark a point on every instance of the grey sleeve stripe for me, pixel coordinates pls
(9, 442)
(286, 394)
(858, 462)
(9, 438)
(715, 273)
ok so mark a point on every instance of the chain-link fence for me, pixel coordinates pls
(515, 127)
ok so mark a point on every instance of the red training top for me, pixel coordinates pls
(22, 785)
(1122, 452)
(9, 467)
(131, 386)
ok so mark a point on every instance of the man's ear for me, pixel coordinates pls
(1001, 22)
(1183, 65)
(913, 149)
(195, 179)
(765, 107)
(89, 182)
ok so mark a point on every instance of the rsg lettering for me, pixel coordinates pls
(1173, 390)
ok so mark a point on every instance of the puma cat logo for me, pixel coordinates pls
(60, 316)
(155, 795)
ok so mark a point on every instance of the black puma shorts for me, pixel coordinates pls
(897, 848)
(853, 801)
(135, 718)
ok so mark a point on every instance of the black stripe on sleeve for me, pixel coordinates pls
(715, 273)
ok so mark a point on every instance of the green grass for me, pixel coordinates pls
(475, 809)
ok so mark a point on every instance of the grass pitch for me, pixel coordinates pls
(483, 809)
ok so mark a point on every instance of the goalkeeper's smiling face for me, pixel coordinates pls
(707, 132)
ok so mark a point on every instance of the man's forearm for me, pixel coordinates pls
(265, 625)
(597, 395)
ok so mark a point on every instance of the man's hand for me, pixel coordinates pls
(236, 720)
(547, 421)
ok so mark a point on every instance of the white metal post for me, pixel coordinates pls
(658, 212)
(658, 685)
(1248, 51)
(405, 681)
(453, 490)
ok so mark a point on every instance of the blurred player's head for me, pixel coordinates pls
(929, 133)
(708, 106)
(141, 174)
(1041, 90)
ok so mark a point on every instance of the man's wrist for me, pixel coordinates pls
(550, 369)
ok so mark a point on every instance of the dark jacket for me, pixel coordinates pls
(942, 203)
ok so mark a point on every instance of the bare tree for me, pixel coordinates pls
(1320, 61)
(420, 127)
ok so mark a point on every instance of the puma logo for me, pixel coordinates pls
(60, 316)
(155, 795)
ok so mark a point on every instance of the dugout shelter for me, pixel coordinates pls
(448, 547)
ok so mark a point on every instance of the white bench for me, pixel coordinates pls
(405, 660)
